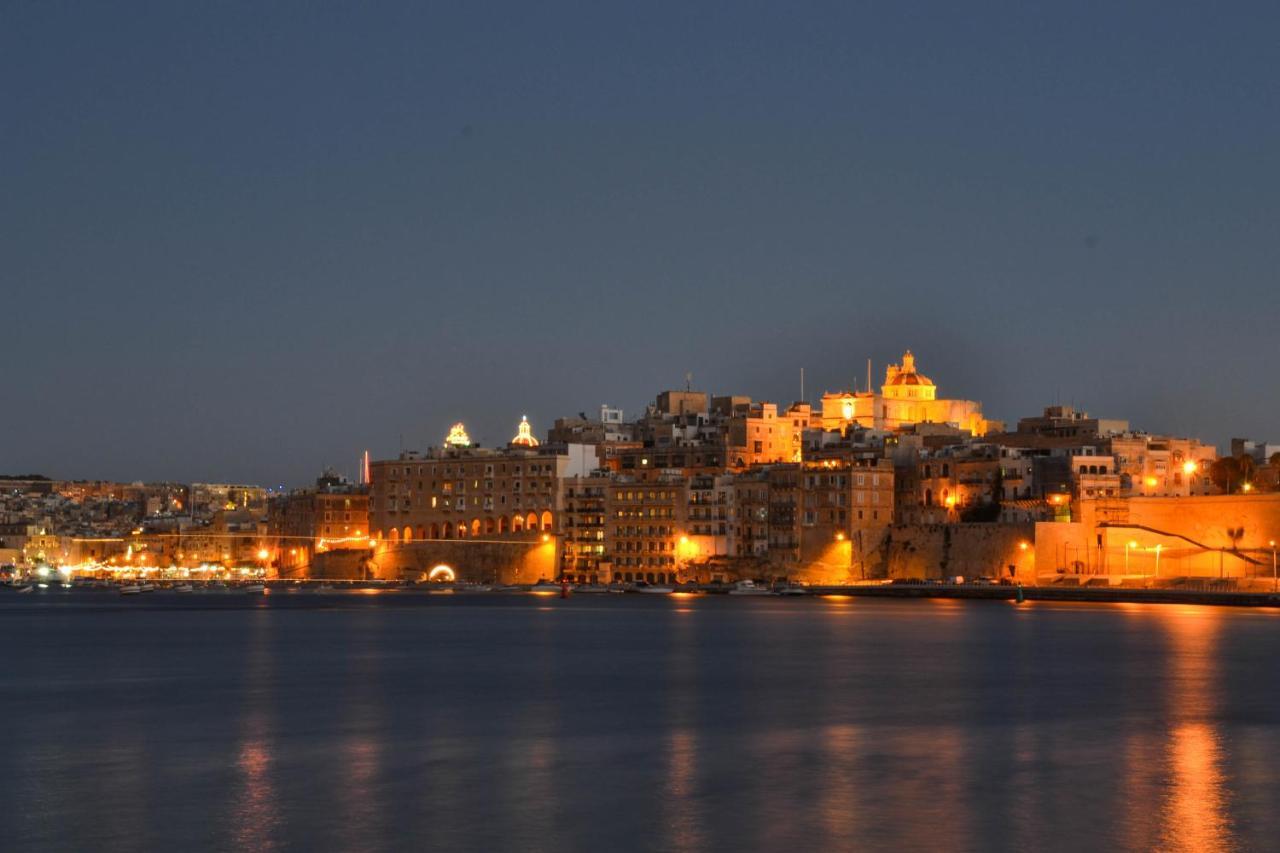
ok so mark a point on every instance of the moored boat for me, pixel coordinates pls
(748, 587)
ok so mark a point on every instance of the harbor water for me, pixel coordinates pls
(522, 722)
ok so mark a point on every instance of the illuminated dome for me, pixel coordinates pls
(524, 434)
(457, 436)
(904, 381)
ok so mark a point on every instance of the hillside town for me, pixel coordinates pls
(864, 485)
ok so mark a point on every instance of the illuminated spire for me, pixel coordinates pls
(524, 434)
(458, 436)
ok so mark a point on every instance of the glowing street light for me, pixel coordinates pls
(1127, 546)
(1275, 579)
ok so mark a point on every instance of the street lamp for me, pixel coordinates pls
(1158, 547)
(1127, 546)
(1275, 580)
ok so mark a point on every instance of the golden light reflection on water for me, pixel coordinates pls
(685, 823)
(838, 806)
(255, 814)
(1196, 803)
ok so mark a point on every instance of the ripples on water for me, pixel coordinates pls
(636, 722)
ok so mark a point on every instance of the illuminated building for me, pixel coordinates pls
(906, 397)
(457, 436)
(524, 434)
(586, 505)
(645, 520)
(332, 516)
(465, 492)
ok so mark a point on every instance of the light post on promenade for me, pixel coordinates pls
(1275, 580)
(1127, 546)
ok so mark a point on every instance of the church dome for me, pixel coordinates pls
(906, 373)
(524, 434)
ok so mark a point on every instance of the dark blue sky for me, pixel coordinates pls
(239, 242)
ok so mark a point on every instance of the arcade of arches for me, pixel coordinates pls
(476, 528)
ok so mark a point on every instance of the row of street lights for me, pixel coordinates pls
(1275, 576)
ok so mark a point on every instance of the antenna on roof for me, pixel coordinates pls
(802, 384)
(868, 375)
(688, 381)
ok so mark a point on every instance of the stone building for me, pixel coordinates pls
(465, 492)
(645, 524)
(583, 527)
(331, 516)
(906, 397)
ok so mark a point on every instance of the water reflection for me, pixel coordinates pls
(837, 797)
(682, 801)
(1196, 802)
(361, 748)
(256, 814)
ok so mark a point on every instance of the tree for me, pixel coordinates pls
(1225, 473)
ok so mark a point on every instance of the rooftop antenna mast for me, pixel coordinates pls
(688, 381)
(802, 385)
(868, 375)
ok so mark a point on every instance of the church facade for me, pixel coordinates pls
(907, 397)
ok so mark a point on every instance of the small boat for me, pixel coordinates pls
(254, 588)
(749, 587)
(147, 587)
(590, 589)
(792, 590)
(130, 589)
(27, 588)
(659, 589)
(184, 587)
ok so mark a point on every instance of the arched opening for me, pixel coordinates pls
(517, 524)
(442, 574)
(928, 497)
(502, 524)
(475, 527)
(546, 520)
(531, 522)
(488, 526)
(446, 530)
(422, 532)
(462, 530)
(394, 535)
(435, 531)
(408, 533)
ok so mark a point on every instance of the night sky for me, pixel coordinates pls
(241, 242)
